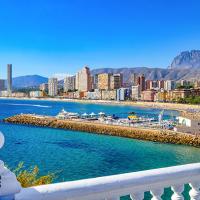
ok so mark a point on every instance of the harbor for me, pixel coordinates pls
(129, 119)
(107, 127)
(84, 147)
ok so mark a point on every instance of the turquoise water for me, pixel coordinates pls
(76, 155)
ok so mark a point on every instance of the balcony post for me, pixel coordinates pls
(157, 193)
(137, 196)
(194, 192)
(9, 186)
(177, 189)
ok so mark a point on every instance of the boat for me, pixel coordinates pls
(67, 115)
(72, 115)
(133, 117)
(61, 114)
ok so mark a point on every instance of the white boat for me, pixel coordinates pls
(72, 115)
(67, 115)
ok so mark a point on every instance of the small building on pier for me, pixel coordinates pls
(189, 122)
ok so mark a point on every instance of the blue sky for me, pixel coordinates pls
(47, 36)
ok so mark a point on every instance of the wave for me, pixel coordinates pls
(32, 105)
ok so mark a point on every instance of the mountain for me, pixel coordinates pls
(184, 66)
(28, 81)
(187, 60)
(150, 73)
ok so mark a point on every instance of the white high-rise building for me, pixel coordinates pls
(69, 83)
(83, 80)
(169, 85)
(136, 92)
(53, 87)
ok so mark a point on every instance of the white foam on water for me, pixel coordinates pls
(32, 105)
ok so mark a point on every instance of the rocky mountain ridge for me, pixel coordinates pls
(184, 66)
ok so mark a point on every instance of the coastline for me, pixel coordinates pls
(157, 105)
(154, 135)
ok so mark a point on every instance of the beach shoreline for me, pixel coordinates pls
(157, 105)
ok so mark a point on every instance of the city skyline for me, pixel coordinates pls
(68, 35)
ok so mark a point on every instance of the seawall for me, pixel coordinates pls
(163, 136)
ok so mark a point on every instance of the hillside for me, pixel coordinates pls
(28, 81)
(184, 66)
(187, 60)
(151, 73)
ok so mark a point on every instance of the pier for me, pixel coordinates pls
(155, 135)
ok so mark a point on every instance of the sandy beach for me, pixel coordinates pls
(159, 105)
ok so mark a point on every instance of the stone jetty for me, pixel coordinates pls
(163, 136)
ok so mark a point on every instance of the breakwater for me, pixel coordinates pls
(164, 136)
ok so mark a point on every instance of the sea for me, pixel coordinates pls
(75, 155)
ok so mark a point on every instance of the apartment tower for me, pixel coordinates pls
(69, 83)
(141, 82)
(83, 80)
(104, 81)
(9, 78)
(116, 81)
(2, 84)
(53, 87)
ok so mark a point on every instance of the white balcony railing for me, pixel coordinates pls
(109, 187)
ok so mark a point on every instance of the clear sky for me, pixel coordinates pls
(61, 36)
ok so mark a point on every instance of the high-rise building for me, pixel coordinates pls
(185, 83)
(154, 85)
(94, 80)
(149, 84)
(133, 79)
(2, 85)
(104, 81)
(9, 78)
(53, 87)
(44, 87)
(141, 82)
(123, 94)
(161, 84)
(69, 83)
(83, 80)
(116, 81)
(196, 84)
(169, 85)
(148, 95)
(136, 92)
